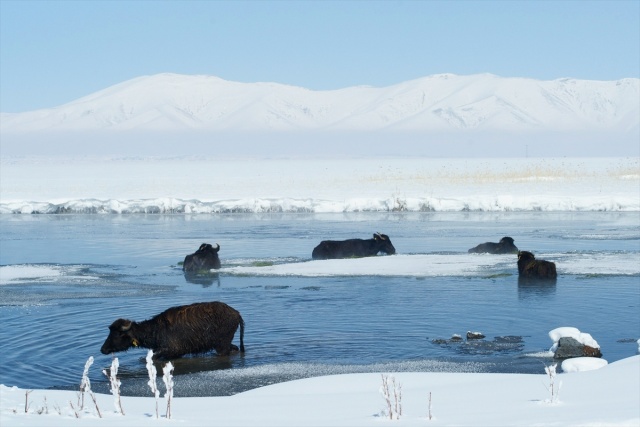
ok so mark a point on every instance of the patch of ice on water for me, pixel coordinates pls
(21, 273)
(394, 265)
(15, 274)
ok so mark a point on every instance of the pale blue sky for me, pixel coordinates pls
(52, 52)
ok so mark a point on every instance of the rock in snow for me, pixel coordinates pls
(569, 342)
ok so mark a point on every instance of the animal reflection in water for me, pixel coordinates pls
(534, 288)
(204, 279)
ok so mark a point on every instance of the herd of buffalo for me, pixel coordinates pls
(206, 326)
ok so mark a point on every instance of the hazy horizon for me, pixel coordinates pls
(56, 51)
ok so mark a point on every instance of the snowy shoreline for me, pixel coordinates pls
(607, 396)
(217, 186)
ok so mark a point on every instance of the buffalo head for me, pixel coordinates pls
(120, 337)
(524, 258)
(506, 245)
(384, 244)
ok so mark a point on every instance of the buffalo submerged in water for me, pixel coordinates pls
(504, 246)
(202, 260)
(351, 248)
(531, 268)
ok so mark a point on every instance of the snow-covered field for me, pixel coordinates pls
(211, 185)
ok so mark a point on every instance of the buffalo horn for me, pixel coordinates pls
(126, 326)
(217, 247)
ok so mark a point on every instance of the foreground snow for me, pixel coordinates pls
(608, 396)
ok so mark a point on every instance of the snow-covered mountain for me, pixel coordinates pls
(440, 103)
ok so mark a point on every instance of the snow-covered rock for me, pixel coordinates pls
(569, 342)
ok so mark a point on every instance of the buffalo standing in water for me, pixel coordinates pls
(504, 246)
(531, 268)
(186, 329)
(334, 249)
(204, 259)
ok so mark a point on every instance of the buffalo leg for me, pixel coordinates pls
(165, 354)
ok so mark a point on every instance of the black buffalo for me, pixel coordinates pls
(333, 249)
(530, 267)
(204, 259)
(186, 329)
(504, 246)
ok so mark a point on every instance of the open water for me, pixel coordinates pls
(65, 278)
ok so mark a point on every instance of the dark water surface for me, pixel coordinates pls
(85, 271)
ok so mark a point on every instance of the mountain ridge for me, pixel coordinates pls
(441, 102)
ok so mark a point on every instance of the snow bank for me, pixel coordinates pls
(211, 185)
(581, 364)
(608, 396)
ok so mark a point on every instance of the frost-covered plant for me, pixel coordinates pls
(85, 387)
(45, 408)
(397, 396)
(75, 411)
(389, 390)
(167, 378)
(26, 400)
(430, 415)
(399, 204)
(95, 403)
(151, 369)
(115, 384)
(551, 372)
(85, 383)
